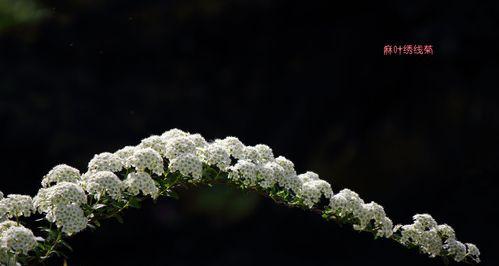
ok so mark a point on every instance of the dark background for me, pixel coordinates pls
(413, 133)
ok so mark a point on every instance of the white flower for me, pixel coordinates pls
(156, 143)
(61, 173)
(455, 249)
(105, 162)
(339, 204)
(6, 225)
(288, 178)
(15, 205)
(473, 251)
(274, 173)
(198, 140)
(265, 174)
(70, 217)
(308, 176)
(125, 152)
(430, 242)
(265, 152)
(312, 191)
(385, 228)
(147, 158)
(287, 165)
(354, 204)
(103, 183)
(188, 165)
(178, 146)
(245, 172)
(61, 194)
(410, 234)
(233, 145)
(141, 182)
(173, 133)
(17, 238)
(364, 217)
(250, 154)
(446, 231)
(378, 213)
(367, 213)
(214, 155)
(424, 221)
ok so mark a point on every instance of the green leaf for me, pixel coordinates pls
(134, 202)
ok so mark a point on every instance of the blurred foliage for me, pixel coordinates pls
(14, 12)
(223, 203)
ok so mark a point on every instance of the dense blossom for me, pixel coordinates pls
(265, 153)
(308, 176)
(60, 194)
(70, 217)
(434, 239)
(424, 221)
(233, 145)
(173, 133)
(214, 155)
(141, 182)
(105, 162)
(67, 198)
(473, 252)
(245, 172)
(146, 159)
(125, 152)
(187, 164)
(16, 238)
(445, 231)
(312, 191)
(156, 143)
(61, 173)
(15, 205)
(455, 249)
(178, 146)
(251, 154)
(265, 175)
(103, 183)
(198, 140)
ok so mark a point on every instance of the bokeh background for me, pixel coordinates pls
(416, 134)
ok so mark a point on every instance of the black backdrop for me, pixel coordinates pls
(414, 133)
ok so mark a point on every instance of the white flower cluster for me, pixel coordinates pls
(434, 239)
(105, 161)
(187, 164)
(245, 172)
(64, 191)
(156, 143)
(16, 238)
(214, 154)
(348, 205)
(124, 153)
(61, 194)
(146, 159)
(61, 173)
(233, 146)
(62, 205)
(312, 191)
(103, 183)
(15, 205)
(141, 182)
(70, 217)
